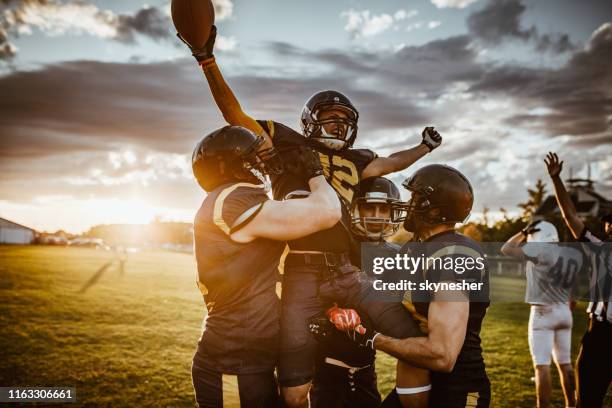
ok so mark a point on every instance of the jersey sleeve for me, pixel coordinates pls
(539, 253)
(237, 205)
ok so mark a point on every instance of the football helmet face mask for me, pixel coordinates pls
(377, 212)
(437, 187)
(330, 119)
(233, 153)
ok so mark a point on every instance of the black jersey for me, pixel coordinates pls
(469, 369)
(238, 281)
(342, 169)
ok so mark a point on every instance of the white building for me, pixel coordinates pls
(13, 233)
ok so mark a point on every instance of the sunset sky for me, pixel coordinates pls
(100, 105)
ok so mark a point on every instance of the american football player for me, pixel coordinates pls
(239, 236)
(318, 267)
(551, 272)
(345, 375)
(594, 359)
(441, 198)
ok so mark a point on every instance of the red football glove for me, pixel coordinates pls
(344, 319)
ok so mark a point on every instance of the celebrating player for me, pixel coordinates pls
(593, 367)
(317, 264)
(551, 272)
(441, 198)
(239, 236)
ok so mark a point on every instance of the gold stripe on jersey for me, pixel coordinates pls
(218, 209)
(270, 128)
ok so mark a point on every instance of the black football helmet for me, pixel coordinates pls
(232, 153)
(313, 127)
(442, 187)
(376, 211)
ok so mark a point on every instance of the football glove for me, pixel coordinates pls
(320, 327)
(301, 161)
(363, 335)
(431, 138)
(531, 228)
(343, 319)
(206, 52)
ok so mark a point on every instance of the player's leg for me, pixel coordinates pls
(593, 367)
(258, 390)
(298, 348)
(364, 392)
(329, 387)
(392, 319)
(412, 385)
(296, 396)
(541, 339)
(562, 353)
(207, 383)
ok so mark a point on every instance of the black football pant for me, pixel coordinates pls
(259, 390)
(339, 387)
(306, 296)
(594, 364)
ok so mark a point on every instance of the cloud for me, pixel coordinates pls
(433, 24)
(224, 9)
(578, 95)
(485, 111)
(76, 17)
(500, 20)
(452, 3)
(361, 23)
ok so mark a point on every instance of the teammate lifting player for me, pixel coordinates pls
(239, 237)
(319, 264)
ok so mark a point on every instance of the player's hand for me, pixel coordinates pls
(343, 319)
(553, 165)
(431, 138)
(363, 335)
(301, 161)
(206, 52)
(531, 228)
(320, 327)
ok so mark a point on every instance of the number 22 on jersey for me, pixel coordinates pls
(343, 173)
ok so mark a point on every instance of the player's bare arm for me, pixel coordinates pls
(224, 97)
(447, 322)
(554, 167)
(401, 160)
(276, 219)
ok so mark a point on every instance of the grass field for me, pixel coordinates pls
(125, 336)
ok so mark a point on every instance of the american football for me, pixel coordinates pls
(193, 20)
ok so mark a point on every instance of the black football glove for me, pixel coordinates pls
(301, 161)
(531, 228)
(206, 52)
(431, 138)
(320, 327)
(363, 335)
